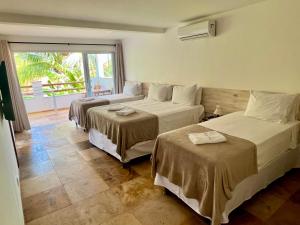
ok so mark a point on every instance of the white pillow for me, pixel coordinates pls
(184, 95)
(132, 88)
(275, 107)
(159, 92)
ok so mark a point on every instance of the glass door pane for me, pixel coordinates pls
(50, 80)
(101, 71)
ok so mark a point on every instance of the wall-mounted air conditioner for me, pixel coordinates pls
(197, 30)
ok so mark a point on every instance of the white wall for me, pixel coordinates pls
(256, 47)
(10, 198)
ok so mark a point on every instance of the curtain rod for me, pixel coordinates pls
(55, 43)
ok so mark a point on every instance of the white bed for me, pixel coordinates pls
(170, 116)
(75, 111)
(277, 152)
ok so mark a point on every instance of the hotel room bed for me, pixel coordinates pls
(78, 108)
(277, 152)
(169, 116)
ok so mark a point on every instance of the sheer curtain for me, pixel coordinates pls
(21, 122)
(119, 77)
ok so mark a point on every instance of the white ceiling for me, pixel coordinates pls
(57, 32)
(148, 13)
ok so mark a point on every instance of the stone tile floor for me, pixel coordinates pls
(66, 181)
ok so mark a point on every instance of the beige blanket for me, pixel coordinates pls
(208, 173)
(78, 108)
(124, 131)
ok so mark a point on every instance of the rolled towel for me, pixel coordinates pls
(125, 112)
(115, 107)
(209, 137)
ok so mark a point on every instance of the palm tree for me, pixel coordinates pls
(55, 67)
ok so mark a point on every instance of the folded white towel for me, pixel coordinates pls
(87, 99)
(209, 137)
(125, 112)
(115, 107)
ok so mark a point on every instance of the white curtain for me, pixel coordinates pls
(119, 79)
(21, 122)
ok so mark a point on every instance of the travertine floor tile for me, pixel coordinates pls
(27, 158)
(76, 172)
(287, 214)
(57, 143)
(84, 145)
(85, 188)
(137, 190)
(196, 220)
(36, 169)
(143, 168)
(99, 208)
(116, 175)
(65, 216)
(65, 158)
(241, 217)
(38, 184)
(105, 162)
(91, 153)
(45, 202)
(263, 205)
(64, 150)
(123, 219)
(161, 211)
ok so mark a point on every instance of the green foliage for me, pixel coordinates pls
(108, 69)
(52, 67)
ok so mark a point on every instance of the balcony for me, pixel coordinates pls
(40, 97)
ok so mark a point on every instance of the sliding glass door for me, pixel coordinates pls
(99, 73)
(51, 80)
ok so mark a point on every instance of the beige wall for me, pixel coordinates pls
(257, 47)
(10, 198)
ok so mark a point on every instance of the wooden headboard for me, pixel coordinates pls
(230, 100)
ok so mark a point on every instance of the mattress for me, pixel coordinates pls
(170, 116)
(271, 138)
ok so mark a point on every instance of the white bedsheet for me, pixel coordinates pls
(170, 116)
(118, 98)
(271, 139)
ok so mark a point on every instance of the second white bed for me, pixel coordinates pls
(170, 116)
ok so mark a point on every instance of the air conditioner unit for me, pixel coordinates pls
(197, 30)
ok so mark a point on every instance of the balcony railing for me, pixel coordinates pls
(38, 96)
(38, 89)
